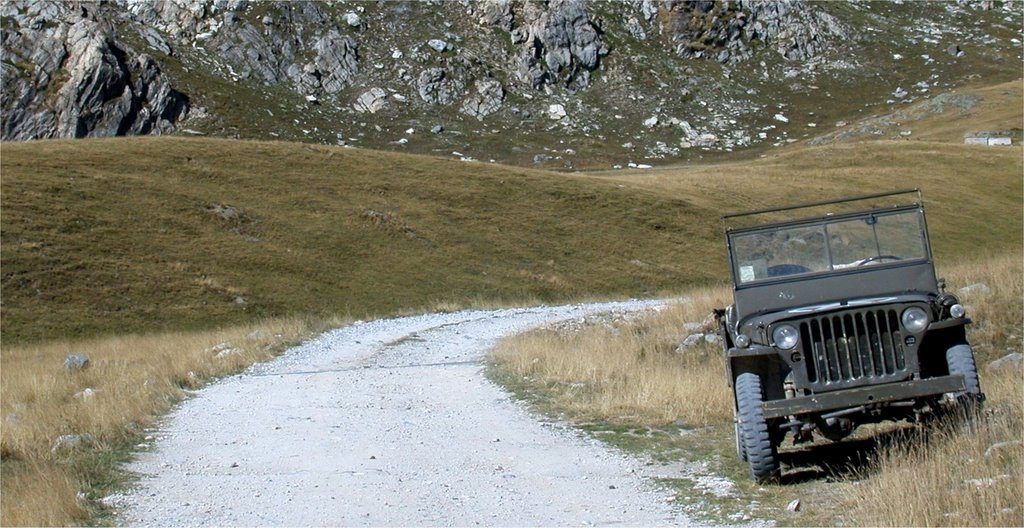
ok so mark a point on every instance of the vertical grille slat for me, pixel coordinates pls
(852, 347)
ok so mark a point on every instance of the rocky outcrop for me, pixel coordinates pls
(437, 86)
(558, 43)
(66, 75)
(724, 31)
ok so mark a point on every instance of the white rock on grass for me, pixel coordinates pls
(76, 361)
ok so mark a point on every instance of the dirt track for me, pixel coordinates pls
(390, 422)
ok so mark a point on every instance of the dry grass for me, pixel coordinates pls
(627, 370)
(132, 380)
(951, 478)
(994, 300)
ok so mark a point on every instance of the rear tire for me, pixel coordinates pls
(740, 450)
(756, 439)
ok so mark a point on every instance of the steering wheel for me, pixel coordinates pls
(879, 257)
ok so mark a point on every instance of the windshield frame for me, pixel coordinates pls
(822, 221)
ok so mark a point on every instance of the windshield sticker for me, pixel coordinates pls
(746, 273)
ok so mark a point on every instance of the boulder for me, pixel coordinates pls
(70, 441)
(337, 61)
(436, 86)
(352, 19)
(556, 111)
(1009, 363)
(486, 99)
(76, 362)
(439, 45)
(371, 101)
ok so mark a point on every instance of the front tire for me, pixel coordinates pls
(756, 439)
(960, 359)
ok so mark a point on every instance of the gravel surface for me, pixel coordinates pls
(389, 422)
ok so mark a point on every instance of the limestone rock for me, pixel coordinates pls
(337, 61)
(1009, 363)
(439, 45)
(371, 101)
(70, 441)
(82, 81)
(485, 100)
(76, 362)
(436, 86)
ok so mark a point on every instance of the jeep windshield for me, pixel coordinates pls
(828, 245)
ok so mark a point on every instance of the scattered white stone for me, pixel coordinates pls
(556, 111)
(225, 354)
(352, 19)
(219, 347)
(650, 122)
(70, 441)
(76, 361)
(85, 394)
(793, 506)
(977, 288)
(397, 54)
(438, 44)
(410, 131)
(782, 118)
(995, 449)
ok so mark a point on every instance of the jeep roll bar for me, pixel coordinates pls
(823, 202)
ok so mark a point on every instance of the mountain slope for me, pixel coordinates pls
(559, 84)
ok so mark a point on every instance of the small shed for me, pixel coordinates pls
(988, 138)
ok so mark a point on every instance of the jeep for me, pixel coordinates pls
(838, 320)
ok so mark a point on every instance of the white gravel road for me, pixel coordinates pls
(389, 422)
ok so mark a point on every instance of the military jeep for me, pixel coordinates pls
(838, 320)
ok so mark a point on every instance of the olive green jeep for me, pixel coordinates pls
(838, 320)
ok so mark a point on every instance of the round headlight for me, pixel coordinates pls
(742, 341)
(785, 336)
(957, 310)
(914, 319)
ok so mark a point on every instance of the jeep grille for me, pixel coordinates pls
(853, 348)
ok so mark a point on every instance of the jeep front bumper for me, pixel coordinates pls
(868, 395)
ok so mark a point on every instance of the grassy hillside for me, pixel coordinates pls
(143, 234)
(134, 235)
